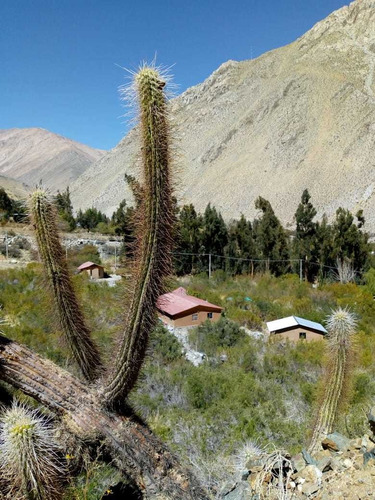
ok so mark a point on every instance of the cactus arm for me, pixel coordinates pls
(129, 442)
(335, 380)
(69, 312)
(153, 259)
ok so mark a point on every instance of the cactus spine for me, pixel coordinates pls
(28, 455)
(153, 256)
(69, 313)
(341, 326)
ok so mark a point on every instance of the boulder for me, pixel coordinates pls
(298, 462)
(324, 460)
(336, 442)
(240, 492)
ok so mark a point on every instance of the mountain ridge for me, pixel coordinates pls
(30, 155)
(301, 116)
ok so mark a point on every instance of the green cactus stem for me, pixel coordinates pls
(29, 461)
(154, 229)
(341, 326)
(69, 312)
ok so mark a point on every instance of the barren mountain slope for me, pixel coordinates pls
(33, 154)
(299, 116)
(15, 189)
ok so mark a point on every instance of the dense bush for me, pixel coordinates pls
(209, 337)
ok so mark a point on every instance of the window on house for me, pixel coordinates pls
(209, 315)
(194, 317)
(302, 335)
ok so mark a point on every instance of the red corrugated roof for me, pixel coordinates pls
(87, 264)
(179, 301)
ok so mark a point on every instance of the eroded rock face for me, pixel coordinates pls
(302, 116)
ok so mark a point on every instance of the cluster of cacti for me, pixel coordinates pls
(69, 312)
(29, 463)
(94, 414)
(341, 326)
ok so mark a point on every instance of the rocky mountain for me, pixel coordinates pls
(33, 154)
(302, 116)
(15, 189)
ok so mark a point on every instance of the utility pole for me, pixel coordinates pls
(115, 258)
(209, 265)
(300, 269)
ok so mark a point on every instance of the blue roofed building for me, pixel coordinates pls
(295, 328)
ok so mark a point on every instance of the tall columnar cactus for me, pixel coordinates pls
(68, 310)
(153, 259)
(93, 416)
(341, 326)
(29, 462)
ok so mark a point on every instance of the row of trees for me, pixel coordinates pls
(93, 219)
(243, 246)
(240, 246)
(263, 244)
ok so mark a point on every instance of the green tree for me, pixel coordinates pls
(350, 242)
(271, 239)
(123, 222)
(65, 208)
(6, 205)
(90, 218)
(189, 231)
(306, 240)
(214, 236)
(241, 245)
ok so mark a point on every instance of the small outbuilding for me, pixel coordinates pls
(178, 309)
(295, 328)
(95, 271)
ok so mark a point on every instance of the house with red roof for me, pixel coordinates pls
(95, 271)
(178, 309)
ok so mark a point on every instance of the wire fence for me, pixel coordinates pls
(301, 263)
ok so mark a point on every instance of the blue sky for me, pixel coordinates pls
(61, 59)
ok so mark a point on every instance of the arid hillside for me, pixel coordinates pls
(302, 116)
(33, 154)
(15, 189)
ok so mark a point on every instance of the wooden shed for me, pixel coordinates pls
(178, 309)
(295, 328)
(95, 271)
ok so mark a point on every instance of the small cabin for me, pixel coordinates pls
(178, 309)
(95, 271)
(295, 328)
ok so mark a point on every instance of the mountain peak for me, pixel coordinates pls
(302, 116)
(33, 154)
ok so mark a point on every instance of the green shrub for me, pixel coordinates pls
(164, 344)
(210, 337)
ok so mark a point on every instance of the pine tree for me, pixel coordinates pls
(306, 240)
(349, 242)
(6, 205)
(241, 245)
(214, 236)
(65, 208)
(189, 240)
(271, 239)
